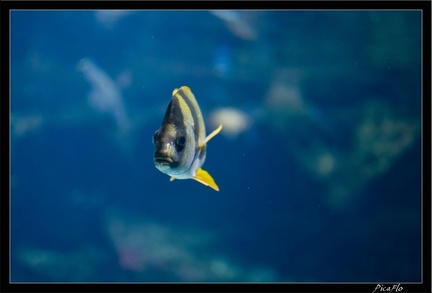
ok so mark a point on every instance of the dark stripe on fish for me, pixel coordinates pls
(193, 110)
(174, 114)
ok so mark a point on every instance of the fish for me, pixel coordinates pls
(105, 96)
(180, 142)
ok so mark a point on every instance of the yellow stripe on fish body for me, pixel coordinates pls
(192, 116)
(180, 142)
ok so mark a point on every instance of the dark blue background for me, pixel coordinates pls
(275, 219)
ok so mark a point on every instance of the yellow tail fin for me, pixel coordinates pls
(205, 178)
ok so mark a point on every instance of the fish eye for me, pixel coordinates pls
(180, 143)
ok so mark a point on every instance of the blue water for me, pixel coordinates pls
(323, 185)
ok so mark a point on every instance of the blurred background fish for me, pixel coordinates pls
(105, 95)
(240, 23)
(109, 18)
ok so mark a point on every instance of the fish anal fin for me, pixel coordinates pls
(211, 135)
(205, 178)
(172, 178)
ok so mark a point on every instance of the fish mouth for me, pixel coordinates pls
(163, 160)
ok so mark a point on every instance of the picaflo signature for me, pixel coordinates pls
(385, 288)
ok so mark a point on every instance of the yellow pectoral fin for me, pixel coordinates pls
(211, 135)
(205, 178)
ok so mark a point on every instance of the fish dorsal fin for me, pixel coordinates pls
(205, 178)
(210, 136)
